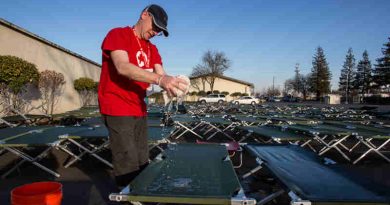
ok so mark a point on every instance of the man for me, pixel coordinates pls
(130, 64)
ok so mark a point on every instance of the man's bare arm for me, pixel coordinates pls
(131, 71)
(159, 69)
(120, 59)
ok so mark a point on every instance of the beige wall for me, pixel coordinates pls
(221, 85)
(47, 57)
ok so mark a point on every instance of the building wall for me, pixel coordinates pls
(221, 85)
(48, 57)
(332, 99)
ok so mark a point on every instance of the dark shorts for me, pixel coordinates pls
(128, 142)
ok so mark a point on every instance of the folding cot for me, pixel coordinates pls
(98, 121)
(366, 135)
(215, 108)
(5, 123)
(197, 109)
(155, 121)
(269, 134)
(212, 123)
(92, 121)
(83, 112)
(186, 123)
(201, 126)
(22, 119)
(14, 117)
(309, 180)
(159, 135)
(82, 139)
(17, 140)
(234, 148)
(189, 174)
(328, 136)
(347, 115)
(290, 120)
(155, 112)
(246, 120)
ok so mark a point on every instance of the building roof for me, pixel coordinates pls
(47, 42)
(226, 78)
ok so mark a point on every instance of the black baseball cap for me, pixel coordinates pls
(160, 17)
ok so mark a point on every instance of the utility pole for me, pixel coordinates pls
(297, 79)
(347, 88)
(273, 86)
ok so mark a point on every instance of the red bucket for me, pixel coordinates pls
(38, 193)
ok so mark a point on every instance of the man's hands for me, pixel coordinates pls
(172, 85)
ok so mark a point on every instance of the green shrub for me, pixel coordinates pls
(202, 93)
(87, 89)
(16, 73)
(235, 94)
(84, 84)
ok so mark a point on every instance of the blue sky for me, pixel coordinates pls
(263, 39)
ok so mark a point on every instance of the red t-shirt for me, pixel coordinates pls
(118, 95)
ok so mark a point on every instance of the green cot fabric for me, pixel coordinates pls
(321, 129)
(16, 131)
(154, 121)
(362, 130)
(93, 122)
(304, 173)
(250, 119)
(185, 119)
(90, 132)
(16, 118)
(188, 171)
(213, 120)
(275, 132)
(41, 137)
(290, 119)
(155, 113)
(156, 133)
(84, 112)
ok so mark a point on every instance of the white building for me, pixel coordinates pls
(222, 84)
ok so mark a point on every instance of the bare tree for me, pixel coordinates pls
(51, 86)
(305, 86)
(202, 75)
(272, 91)
(297, 80)
(213, 64)
(289, 85)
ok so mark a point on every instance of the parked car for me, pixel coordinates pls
(289, 98)
(262, 99)
(213, 98)
(274, 99)
(246, 100)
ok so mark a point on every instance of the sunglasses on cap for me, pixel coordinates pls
(155, 28)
